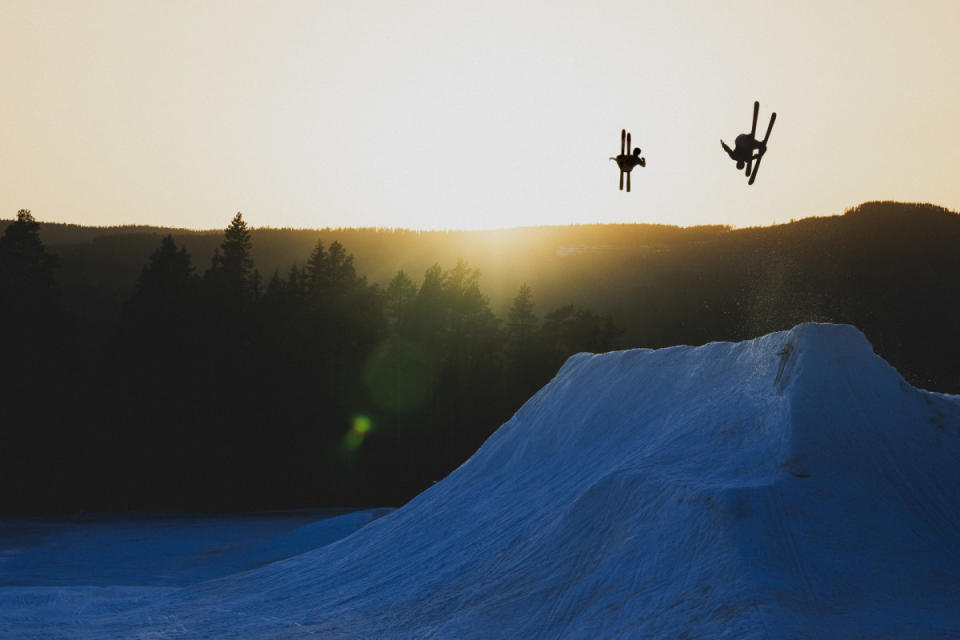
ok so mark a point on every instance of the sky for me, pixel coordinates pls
(451, 114)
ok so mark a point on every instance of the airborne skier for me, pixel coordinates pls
(743, 150)
(626, 161)
(746, 143)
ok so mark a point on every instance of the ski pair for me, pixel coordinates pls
(628, 160)
(751, 169)
(624, 150)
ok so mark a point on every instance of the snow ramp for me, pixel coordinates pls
(791, 486)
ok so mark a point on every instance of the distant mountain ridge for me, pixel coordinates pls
(113, 255)
(891, 268)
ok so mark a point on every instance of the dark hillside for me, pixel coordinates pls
(890, 268)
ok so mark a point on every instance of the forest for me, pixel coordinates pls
(252, 368)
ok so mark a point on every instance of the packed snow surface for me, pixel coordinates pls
(791, 486)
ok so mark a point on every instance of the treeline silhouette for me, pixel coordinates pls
(219, 389)
(159, 369)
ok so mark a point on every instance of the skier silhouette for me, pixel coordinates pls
(747, 143)
(625, 161)
(743, 149)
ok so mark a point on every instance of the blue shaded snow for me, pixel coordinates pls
(158, 549)
(791, 486)
(57, 574)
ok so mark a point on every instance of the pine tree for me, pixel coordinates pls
(399, 296)
(166, 280)
(330, 272)
(521, 320)
(27, 282)
(342, 274)
(231, 270)
(36, 367)
(523, 361)
(428, 322)
(317, 268)
(150, 369)
(570, 329)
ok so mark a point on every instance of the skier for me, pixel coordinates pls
(747, 143)
(625, 161)
(743, 149)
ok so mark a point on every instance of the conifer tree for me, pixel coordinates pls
(428, 323)
(27, 282)
(342, 274)
(330, 272)
(521, 320)
(399, 296)
(570, 329)
(35, 371)
(524, 367)
(231, 269)
(166, 280)
(317, 268)
(473, 328)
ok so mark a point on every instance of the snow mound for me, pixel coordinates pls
(790, 486)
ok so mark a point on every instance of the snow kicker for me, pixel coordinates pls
(791, 486)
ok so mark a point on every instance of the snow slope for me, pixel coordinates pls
(57, 575)
(160, 549)
(733, 490)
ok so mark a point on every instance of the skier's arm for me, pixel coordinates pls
(727, 149)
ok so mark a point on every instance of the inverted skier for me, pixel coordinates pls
(746, 144)
(743, 149)
(626, 161)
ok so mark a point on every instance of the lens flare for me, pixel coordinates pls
(362, 425)
(359, 429)
(398, 376)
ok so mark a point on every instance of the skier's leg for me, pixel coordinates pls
(621, 180)
(628, 181)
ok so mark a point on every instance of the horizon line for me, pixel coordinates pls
(389, 229)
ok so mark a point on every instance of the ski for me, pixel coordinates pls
(753, 132)
(628, 158)
(623, 147)
(763, 148)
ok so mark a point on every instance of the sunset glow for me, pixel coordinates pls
(470, 115)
